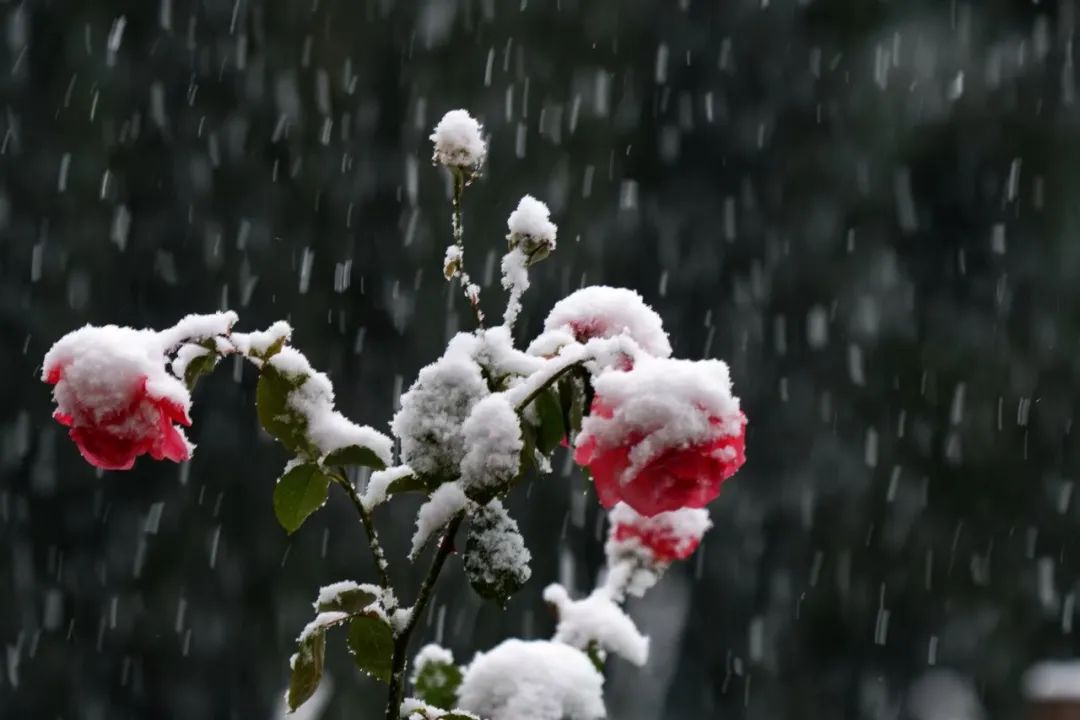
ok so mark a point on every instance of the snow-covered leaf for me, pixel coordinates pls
(408, 483)
(201, 364)
(301, 491)
(278, 418)
(436, 678)
(350, 600)
(355, 455)
(307, 668)
(496, 559)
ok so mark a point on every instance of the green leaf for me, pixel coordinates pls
(307, 668)
(298, 493)
(595, 655)
(552, 429)
(202, 365)
(355, 455)
(572, 400)
(351, 601)
(274, 349)
(437, 683)
(371, 643)
(279, 418)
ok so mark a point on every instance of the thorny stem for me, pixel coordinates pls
(369, 528)
(472, 293)
(401, 639)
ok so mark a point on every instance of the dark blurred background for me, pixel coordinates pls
(867, 207)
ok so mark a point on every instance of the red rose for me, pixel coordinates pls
(138, 425)
(677, 477)
(667, 537)
(663, 545)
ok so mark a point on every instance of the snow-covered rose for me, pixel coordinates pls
(665, 537)
(459, 141)
(663, 435)
(113, 392)
(599, 311)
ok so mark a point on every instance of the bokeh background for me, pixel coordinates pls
(869, 209)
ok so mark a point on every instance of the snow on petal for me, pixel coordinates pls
(113, 391)
(665, 537)
(601, 311)
(669, 403)
(447, 500)
(532, 680)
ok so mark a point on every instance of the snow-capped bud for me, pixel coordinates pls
(452, 262)
(459, 142)
(531, 230)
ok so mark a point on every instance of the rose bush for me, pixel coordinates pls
(658, 435)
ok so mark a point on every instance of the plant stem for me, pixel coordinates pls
(472, 293)
(548, 383)
(423, 596)
(369, 528)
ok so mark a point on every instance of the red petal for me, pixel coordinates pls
(171, 444)
(174, 411)
(103, 450)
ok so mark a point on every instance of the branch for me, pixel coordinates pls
(472, 293)
(555, 376)
(369, 528)
(423, 596)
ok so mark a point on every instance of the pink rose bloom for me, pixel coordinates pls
(113, 392)
(678, 477)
